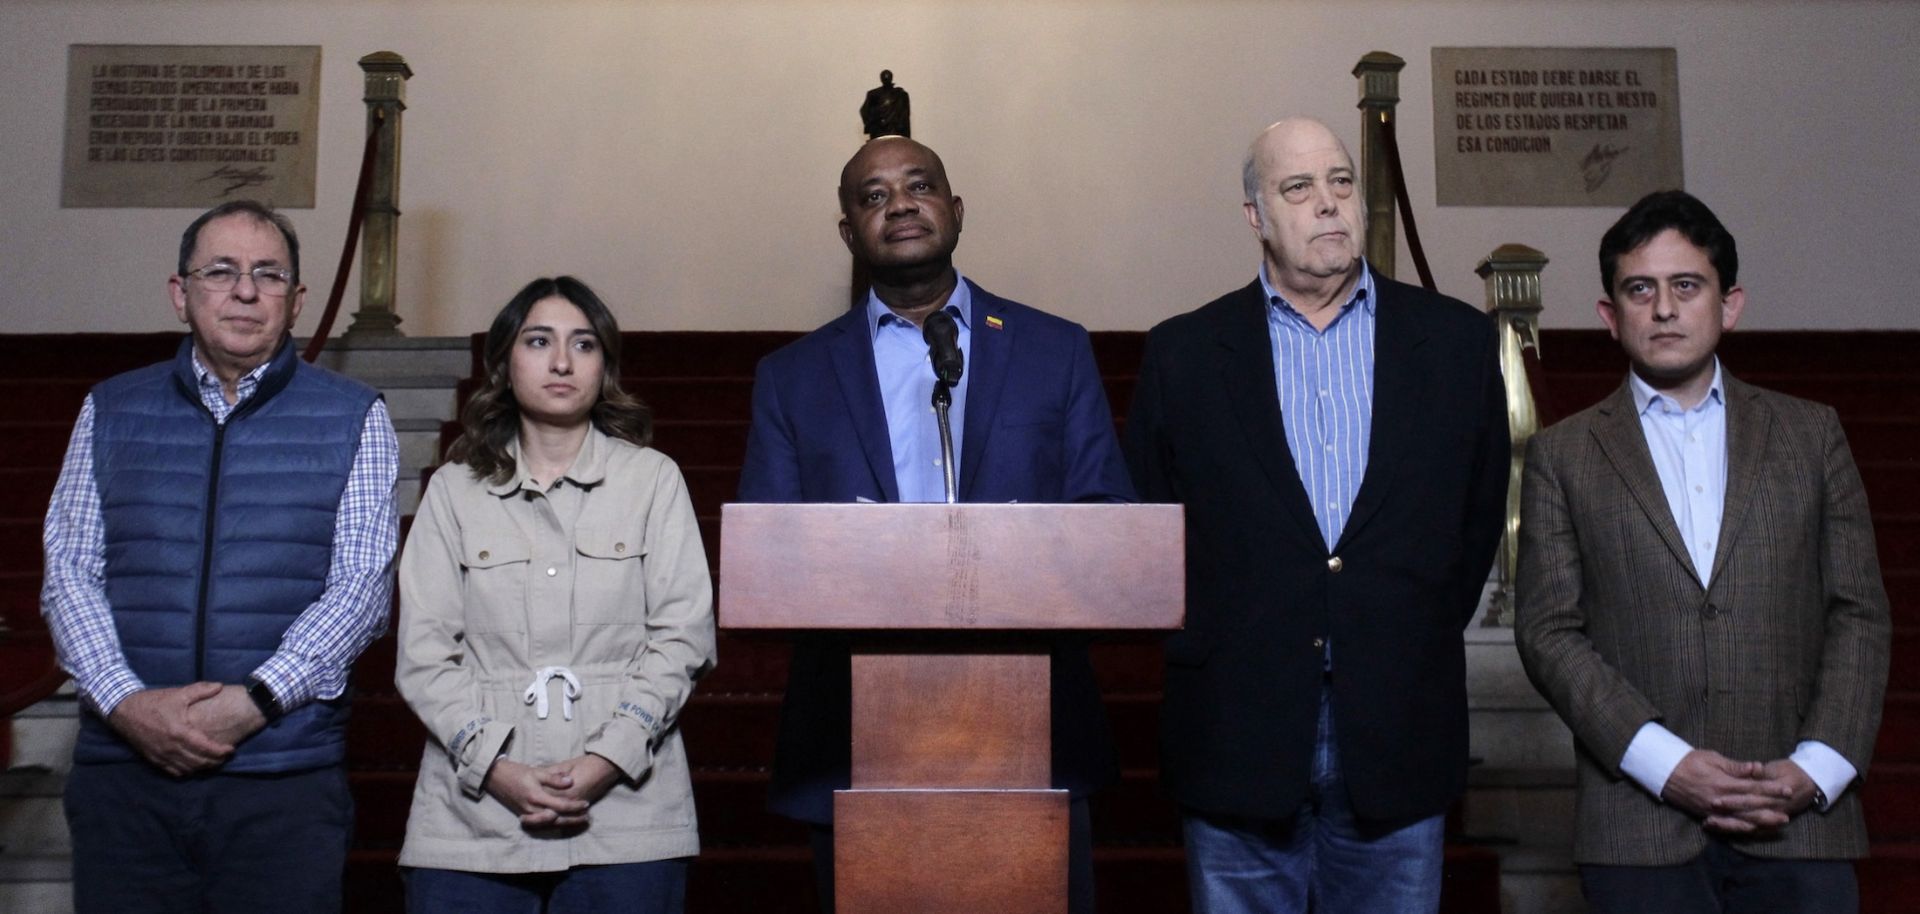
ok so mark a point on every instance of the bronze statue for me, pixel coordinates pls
(886, 112)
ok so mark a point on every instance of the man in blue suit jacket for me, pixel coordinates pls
(842, 415)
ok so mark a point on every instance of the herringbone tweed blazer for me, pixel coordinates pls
(1788, 640)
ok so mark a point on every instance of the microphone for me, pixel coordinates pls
(943, 342)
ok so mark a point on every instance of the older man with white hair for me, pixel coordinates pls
(1340, 443)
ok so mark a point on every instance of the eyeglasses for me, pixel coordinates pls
(222, 277)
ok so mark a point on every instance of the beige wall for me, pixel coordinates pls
(681, 156)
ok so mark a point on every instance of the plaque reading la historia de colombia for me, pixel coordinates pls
(190, 125)
(1554, 126)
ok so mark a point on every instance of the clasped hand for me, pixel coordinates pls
(189, 728)
(551, 796)
(1738, 797)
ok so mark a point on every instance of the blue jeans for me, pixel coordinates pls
(654, 887)
(209, 843)
(1323, 858)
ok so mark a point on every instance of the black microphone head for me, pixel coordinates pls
(940, 326)
(943, 343)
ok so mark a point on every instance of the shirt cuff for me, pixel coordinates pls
(283, 676)
(1652, 756)
(1829, 770)
(623, 742)
(474, 750)
(112, 687)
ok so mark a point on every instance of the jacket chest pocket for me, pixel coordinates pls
(609, 584)
(495, 577)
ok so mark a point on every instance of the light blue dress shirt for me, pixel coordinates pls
(1325, 382)
(901, 360)
(1689, 449)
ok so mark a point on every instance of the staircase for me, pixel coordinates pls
(1511, 853)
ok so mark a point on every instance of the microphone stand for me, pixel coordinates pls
(942, 402)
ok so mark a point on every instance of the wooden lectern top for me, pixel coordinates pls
(978, 567)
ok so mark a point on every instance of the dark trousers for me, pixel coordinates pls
(1079, 860)
(207, 844)
(1722, 880)
(653, 887)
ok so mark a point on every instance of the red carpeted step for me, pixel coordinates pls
(1904, 673)
(91, 356)
(711, 486)
(1873, 438)
(1127, 663)
(1118, 352)
(1898, 536)
(694, 398)
(35, 445)
(42, 399)
(1891, 796)
(24, 493)
(731, 804)
(702, 442)
(749, 662)
(1135, 720)
(730, 730)
(713, 354)
(1891, 481)
(373, 671)
(20, 600)
(1134, 811)
(372, 883)
(760, 880)
(384, 735)
(1899, 729)
(20, 547)
(381, 799)
(1890, 878)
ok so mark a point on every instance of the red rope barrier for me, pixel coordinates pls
(355, 217)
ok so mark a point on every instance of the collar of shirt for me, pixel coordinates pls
(959, 304)
(589, 467)
(1645, 398)
(1362, 295)
(214, 396)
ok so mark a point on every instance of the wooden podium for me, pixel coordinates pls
(951, 808)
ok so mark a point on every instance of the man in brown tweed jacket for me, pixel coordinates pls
(1698, 597)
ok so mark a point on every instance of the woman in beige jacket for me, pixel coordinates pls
(555, 611)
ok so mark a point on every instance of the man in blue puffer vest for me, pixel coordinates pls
(218, 551)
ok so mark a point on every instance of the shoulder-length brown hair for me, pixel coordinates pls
(491, 419)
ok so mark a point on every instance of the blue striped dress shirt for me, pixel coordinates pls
(1325, 379)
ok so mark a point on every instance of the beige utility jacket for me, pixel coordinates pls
(493, 591)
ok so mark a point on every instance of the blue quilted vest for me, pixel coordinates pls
(217, 537)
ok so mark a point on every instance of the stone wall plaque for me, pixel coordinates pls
(1554, 126)
(190, 125)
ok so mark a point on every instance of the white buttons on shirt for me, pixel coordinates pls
(551, 571)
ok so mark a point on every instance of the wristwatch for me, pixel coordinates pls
(263, 699)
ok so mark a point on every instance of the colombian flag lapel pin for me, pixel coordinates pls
(996, 323)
